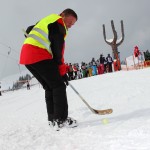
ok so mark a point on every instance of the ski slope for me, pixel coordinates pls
(23, 118)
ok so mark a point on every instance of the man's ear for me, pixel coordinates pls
(62, 15)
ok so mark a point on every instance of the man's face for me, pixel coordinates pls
(69, 21)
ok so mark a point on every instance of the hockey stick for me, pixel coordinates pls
(98, 112)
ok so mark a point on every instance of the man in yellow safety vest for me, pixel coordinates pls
(43, 55)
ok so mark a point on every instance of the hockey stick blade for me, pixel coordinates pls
(98, 112)
(103, 112)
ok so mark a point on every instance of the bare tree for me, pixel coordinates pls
(115, 43)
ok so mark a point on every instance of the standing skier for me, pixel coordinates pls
(109, 62)
(43, 55)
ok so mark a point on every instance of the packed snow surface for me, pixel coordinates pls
(24, 126)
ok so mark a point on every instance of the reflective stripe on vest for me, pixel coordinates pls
(46, 43)
(38, 36)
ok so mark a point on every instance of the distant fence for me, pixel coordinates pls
(133, 63)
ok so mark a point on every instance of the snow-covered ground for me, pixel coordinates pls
(23, 118)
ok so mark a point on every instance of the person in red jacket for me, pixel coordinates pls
(136, 51)
(43, 55)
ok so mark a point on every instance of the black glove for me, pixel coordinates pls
(66, 79)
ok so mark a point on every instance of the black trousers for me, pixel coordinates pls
(47, 73)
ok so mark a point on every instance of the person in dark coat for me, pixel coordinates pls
(28, 85)
(0, 91)
(109, 62)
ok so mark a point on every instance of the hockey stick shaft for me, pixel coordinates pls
(81, 98)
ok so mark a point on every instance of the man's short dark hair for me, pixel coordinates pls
(68, 12)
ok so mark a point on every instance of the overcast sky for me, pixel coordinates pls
(85, 39)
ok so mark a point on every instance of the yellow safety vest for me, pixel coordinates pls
(38, 36)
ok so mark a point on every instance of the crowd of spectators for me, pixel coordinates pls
(94, 67)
